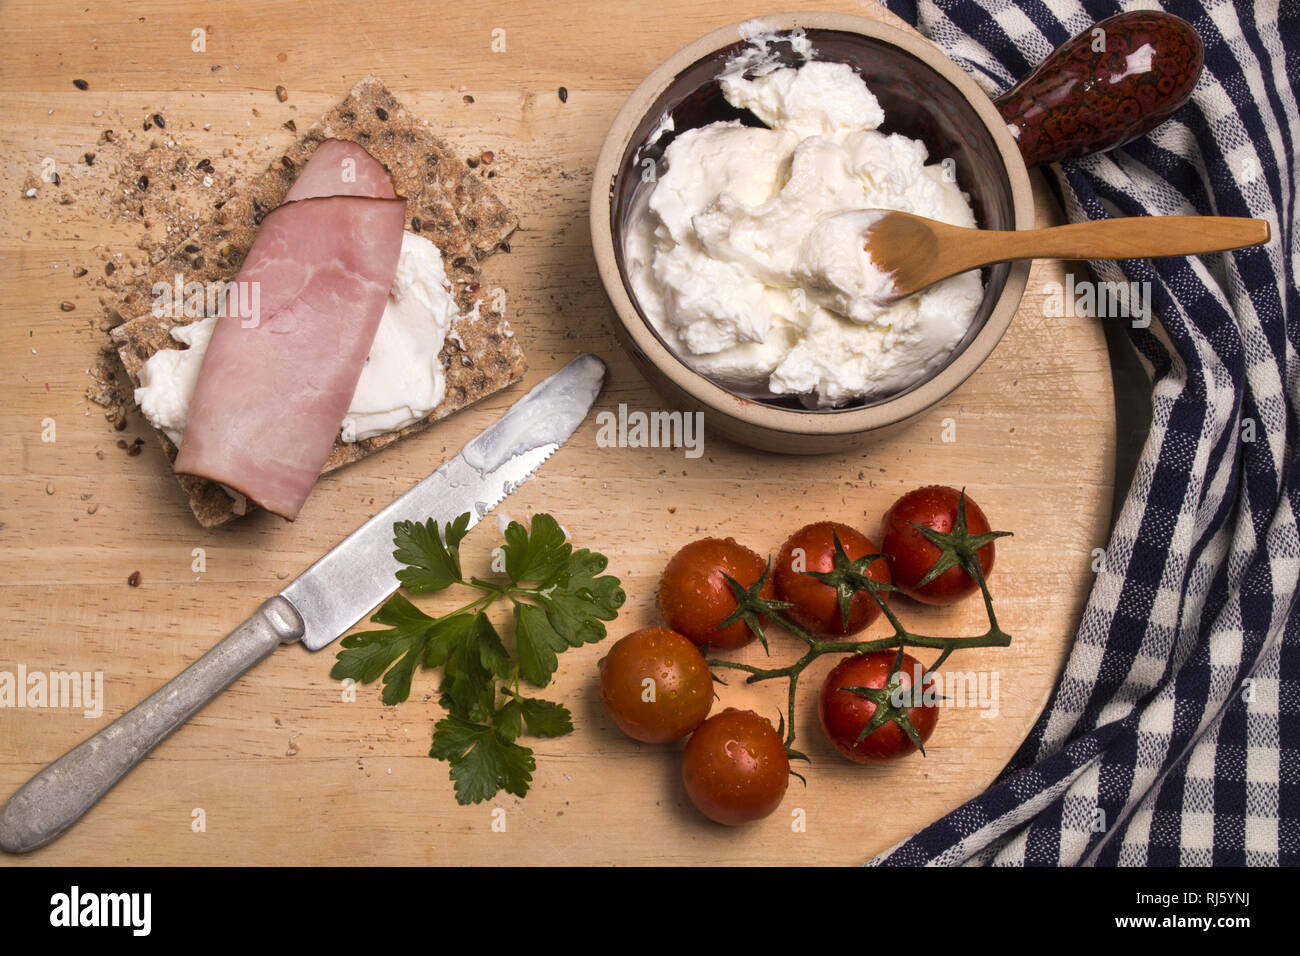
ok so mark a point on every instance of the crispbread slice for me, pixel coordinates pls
(481, 357)
(486, 219)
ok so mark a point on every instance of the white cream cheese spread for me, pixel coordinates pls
(749, 256)
(402, 380)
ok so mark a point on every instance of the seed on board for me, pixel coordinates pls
(78, 272)
(143, 182)
(281, 93)
(158, 121)
(467, 98)
(472, 163)
(90, 159)
(55, 179)
(488, 156)
(416, 224)
(291, 126)
(134, 579)
(49, 489)
(92, 508)
(81, 84)
(564, 95)
(109, 268)
(381, 113)
(66, 306)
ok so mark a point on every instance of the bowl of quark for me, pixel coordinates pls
(726, 222)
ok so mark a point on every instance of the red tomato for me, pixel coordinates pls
(655, 685)
(695, 598)
(912, 555)
(844, 714)
(817, 607)
(735, 767)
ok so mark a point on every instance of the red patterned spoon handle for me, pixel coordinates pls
(1106, 86)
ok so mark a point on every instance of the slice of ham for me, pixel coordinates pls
(340, 167)
(274, 386)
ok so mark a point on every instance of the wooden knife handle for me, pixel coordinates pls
(59, 795)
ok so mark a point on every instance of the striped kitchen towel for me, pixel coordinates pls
(1173, 737)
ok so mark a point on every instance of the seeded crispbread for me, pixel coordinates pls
(446, 203)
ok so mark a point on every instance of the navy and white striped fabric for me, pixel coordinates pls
(1178, 714)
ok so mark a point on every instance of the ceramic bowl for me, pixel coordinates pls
(925, 96)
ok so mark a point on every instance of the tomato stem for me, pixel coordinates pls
(751, 607)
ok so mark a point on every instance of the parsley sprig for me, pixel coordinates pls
(561, 599)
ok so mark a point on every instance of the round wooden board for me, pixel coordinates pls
(284, 770)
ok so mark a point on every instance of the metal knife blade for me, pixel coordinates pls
(318, 606)
(344, 585)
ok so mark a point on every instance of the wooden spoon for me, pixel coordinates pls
(919, 252)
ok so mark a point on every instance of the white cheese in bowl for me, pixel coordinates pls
(401, 383)
(748, 255)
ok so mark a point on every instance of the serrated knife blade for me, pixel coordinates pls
(317, 607)
(340, 588)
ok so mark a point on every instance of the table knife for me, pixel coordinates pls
(317, 607)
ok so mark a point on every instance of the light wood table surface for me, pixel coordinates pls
(282, 769)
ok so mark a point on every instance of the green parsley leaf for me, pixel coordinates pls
(483, 761)
(544, 718)
(473, 657)
(368, 654)
(578, 597)
(432, 565)
(535, 554)
(509, 719)
(537, 644)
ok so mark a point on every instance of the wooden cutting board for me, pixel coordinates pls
(280, 769)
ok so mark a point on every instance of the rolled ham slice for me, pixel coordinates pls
(340, 167)
(275, 385)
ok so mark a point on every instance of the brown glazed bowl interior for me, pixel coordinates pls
(925, 96)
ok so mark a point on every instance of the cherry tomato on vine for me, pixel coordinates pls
(845, 714)
(695, 598)
(912, 554)
(655, 685)
(817, 607)
(735, 767)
